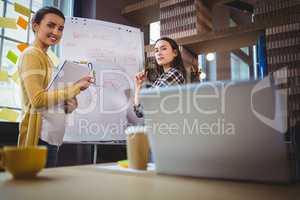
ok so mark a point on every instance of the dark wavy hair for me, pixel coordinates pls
(40, 14)
(177, 63)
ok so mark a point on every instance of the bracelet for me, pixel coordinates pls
(138, 109)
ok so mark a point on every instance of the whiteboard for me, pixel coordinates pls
(117, 54)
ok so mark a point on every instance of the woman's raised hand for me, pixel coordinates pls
(140, 78)
(85, 82)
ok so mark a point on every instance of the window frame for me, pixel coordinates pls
(56, 3)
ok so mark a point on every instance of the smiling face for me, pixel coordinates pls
(49, 31)
(164, 53)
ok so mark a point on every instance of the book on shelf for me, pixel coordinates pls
(282, 19)
(282, 45)
(183, 18)
(267, 10)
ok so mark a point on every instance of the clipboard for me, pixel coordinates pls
(70, 72)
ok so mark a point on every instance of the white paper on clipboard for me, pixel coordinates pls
(54, 118)
(69, 72)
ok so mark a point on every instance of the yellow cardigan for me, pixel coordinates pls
(35, 70)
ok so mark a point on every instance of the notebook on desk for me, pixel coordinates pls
(233, 130)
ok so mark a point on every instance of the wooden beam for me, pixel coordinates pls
(240, 18)
(223, 65)
(231, 38)
(143, 12)
(243, 56)
(211, 3)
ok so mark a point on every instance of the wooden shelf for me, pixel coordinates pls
(143, 12)
(211, 3)
(233, 37)
(229, 39)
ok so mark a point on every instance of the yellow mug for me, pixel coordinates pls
(23, 162)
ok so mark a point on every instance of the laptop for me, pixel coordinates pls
(224, 130)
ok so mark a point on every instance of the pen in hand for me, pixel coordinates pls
(94, 76)
(85, 82)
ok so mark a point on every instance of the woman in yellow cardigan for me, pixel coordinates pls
(35, 68)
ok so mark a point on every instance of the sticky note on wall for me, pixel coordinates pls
(12, 57)
(9, 115)
(8, 23)
(22, 22)
(22, 47)
(15, 77)
(3, 76)
(22, 10)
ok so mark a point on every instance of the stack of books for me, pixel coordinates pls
(283, 52)
(282, 44)
(183, 18)
(274, 11)
(283, 58)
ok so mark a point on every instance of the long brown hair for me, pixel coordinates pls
(177, 63)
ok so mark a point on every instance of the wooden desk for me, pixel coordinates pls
(89, 182)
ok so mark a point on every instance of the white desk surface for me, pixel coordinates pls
(94, 182)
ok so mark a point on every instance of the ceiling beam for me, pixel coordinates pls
(243, 56)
